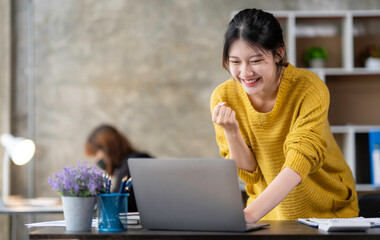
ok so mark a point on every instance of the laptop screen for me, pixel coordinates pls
(188, 194)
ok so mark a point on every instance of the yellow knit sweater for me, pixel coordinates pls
(295, 134)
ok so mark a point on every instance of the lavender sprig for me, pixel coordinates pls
(81, 181)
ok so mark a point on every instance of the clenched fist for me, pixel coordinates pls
(225, 117)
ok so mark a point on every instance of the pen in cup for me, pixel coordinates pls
(122, 184)
(128, 184)
(107, 182)
(109, 186)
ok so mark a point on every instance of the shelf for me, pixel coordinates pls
(311, 14)
(327, 14)
(342, 71)
(363, 189)
(366, 188)
(346, 129)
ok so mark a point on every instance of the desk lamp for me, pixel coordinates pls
(20, 150)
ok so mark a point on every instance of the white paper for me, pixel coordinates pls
(60, 223)
(133, 218)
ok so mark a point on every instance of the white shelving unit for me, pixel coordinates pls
(346, 19)
(340, 31)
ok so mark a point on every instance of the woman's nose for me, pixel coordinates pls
(246, 70)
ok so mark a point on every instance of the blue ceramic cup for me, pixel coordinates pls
(110, 205)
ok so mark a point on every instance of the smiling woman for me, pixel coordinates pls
(271, 118)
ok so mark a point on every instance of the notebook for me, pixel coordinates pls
(341, 224)
(189, 194)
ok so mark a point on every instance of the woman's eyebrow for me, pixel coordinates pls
(253, 56)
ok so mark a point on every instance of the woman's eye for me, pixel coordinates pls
(234, 62)
(256, 61)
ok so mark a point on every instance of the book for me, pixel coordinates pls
(374, 150)
(130, 218)
(341, 224)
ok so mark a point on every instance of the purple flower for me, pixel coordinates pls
(81, 181)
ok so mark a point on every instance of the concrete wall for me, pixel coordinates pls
(146, 66)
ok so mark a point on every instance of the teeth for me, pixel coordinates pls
(251, 81)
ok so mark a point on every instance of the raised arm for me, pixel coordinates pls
(225, 117)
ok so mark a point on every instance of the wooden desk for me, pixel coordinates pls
(277, 230)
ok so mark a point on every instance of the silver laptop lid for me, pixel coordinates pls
(188, 194)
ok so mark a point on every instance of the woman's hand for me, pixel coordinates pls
(249, 218)
(225, 117)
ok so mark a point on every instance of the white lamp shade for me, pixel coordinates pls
(20, 150)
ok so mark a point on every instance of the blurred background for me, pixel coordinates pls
(147, 67)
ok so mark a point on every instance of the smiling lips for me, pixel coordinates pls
(250, 82)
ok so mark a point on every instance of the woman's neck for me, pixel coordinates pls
(264, 103)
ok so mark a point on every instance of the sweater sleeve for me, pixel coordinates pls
(249, 177)
(219, 132)
(305, 147)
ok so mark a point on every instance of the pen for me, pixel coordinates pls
(107, 182)
(109, 186)
(128, 184)
(122, 185)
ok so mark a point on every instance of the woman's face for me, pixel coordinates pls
(255, 71)
(99, 155)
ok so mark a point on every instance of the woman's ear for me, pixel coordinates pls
(280, 53)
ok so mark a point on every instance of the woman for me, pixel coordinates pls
(112, 150)
(271, 118)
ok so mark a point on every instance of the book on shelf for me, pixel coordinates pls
(374, 150)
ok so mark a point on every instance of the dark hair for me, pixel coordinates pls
(108, 139)
(257, 28)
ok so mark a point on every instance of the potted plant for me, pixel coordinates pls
(315, 56)
(373, 58)
(79, 187)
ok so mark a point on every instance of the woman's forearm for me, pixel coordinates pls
(240, 152)
(277, 191)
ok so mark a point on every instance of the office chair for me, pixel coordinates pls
(369, 205)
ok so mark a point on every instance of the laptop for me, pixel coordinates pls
(188, 194)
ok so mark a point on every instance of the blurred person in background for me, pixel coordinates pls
(111, 150)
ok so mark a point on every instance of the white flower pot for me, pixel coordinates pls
(372, 63)
(317, 63)
(78, 213)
